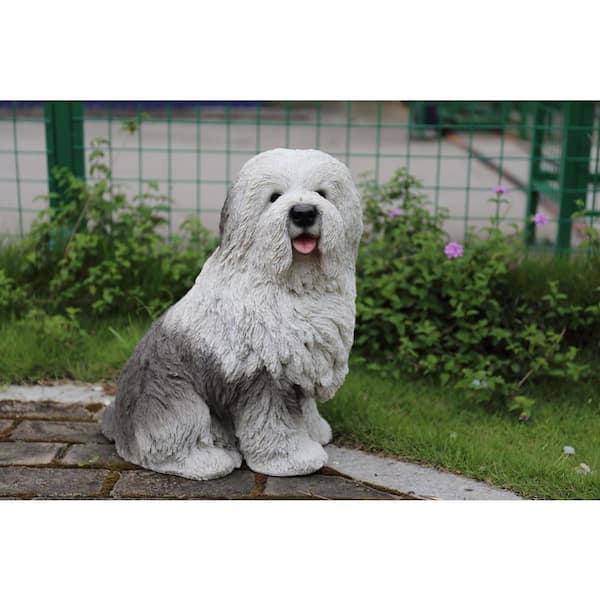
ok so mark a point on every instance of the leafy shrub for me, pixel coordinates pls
(430, 307)
(105, 253)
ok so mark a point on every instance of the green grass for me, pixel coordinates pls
(95, 353)
(415, 420)
(425, 423)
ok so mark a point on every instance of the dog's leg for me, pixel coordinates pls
(318, 428)
(178, 437)
(273, 436)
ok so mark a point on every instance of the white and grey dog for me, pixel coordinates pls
(235, 367)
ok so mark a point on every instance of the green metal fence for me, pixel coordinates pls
(545, 154)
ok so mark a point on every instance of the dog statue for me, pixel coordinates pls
(235, 367)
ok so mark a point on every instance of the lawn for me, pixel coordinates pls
(415, 420)
(426, 423)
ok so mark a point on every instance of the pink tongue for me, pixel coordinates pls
(304, 244)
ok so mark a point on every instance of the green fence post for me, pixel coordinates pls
(574, 166)
(533, 194)
(64, 142)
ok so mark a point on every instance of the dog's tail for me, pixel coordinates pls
(108, 422)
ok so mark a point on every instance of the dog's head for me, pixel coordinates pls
(292, 207)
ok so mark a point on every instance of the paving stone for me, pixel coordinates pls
(58, 431)
(411, 479)
(30, 482)
(98, 455)
(44, 410)
(28, 453)
(322, 486)
(67, 393)
(5, 425)
(146, 484)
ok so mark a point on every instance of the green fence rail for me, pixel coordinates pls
(545, 153)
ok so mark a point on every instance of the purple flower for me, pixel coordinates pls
(540, 219)
(500, 189)
(453, 250)
(395, 212)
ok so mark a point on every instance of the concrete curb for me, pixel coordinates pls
(409, 478)
(71, 393)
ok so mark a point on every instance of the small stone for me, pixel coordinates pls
(44, 409)
(58, 431)
(568, 450)
(42, 482)
(146, 484)
(28, 453)
(322, 486)
(99, 455)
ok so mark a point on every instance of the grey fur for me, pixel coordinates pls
(235, 367)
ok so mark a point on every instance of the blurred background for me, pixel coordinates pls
(545, 154)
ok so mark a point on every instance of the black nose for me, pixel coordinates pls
(303, 215)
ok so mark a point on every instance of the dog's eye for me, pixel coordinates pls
(274, 197)
(322, 193)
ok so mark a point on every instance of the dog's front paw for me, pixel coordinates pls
(319, 430)
(317, 427)
(306, 457)
(201, 463)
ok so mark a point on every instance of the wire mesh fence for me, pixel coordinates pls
(192, 150)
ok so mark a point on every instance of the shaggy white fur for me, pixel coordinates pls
(237, 364)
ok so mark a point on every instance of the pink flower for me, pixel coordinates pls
(500, 189)
(453, 250)
(540, 219)
(395, 212)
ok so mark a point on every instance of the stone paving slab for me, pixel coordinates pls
(28, 453)
(98, 455)
(57, 431)
(45, 409)
(5, 425)
(412, 479)
(27, 482)
(146, 484)
(323, 487)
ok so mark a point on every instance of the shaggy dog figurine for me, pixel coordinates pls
(235, 367)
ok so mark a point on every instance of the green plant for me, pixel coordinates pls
(64, 330)
(13, 298)
(430, 306)
(102, 252)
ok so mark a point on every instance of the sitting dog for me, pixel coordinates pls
(235, 367)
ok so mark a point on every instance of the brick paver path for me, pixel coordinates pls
(56, 450)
